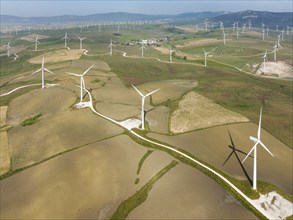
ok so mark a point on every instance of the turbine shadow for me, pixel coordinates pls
(234, 151)
(85, 95)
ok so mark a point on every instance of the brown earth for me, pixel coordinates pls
(211, 145)
(58, 56)
(185, 193)
(197, 112)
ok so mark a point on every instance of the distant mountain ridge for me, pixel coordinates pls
(105, 17)
(269, 19)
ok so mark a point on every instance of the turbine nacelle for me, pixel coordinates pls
(253, 139)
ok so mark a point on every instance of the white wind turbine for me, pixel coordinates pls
(36, 43)
(170, 54)
(43, 69)
(224, 37)
(287, 30)
(249, 24)
(142, 103)
(267, 31)
(142, 48)
(278, 42)
(264, 60)
(282, 33)
(111, 45)
(277, 27)
(275, 51)
(65, 38)
(80, 41)
(234, 26)
(8, 48)
(256, 141)
(206, 54)
(237, 33)
(263, 34)
(82, 84)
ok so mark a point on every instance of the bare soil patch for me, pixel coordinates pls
(169, 89)
(163, 50)
(56, 134)
(198, 42)
(186, 28)
(158, 119)
(88, 183)
(197, 112)
(212, 146)
(45, 101)
(3, 110)
(32, 37)
(280, 69)
(4, 153)
(58, 56)
(189, 194)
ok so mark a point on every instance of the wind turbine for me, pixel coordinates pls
(264, 60)
(43, 69)
(99, 28)
(142, 103)
(234, 26)
(206, 54)
(275, 52)
(170, 53)
(224, 37)
(82, 84)
(80, 42)
(110, 46)
(8, 48)
(206, 25)
(277, 28)
(36, 43)
(278, 42)
(282, 33)
(142, 48)
(29, 30)
(65, 38)
(237, 34)
(256, 141)
(267, 31)
(263, 34)
(249, 24)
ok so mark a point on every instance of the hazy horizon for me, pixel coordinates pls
(35, 8)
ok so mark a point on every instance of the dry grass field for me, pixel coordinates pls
(169, 89)
(196, 112)
(185, 193)
(88, 183)
(58, 56)
(212, 146)
(199, 42)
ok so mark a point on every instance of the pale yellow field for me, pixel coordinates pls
(196, 112)
(169, 89)
(185, 193)
(211, 146)
(58, 56)
(199, 42)
(32, 37)
(88, 183)
(3, 110)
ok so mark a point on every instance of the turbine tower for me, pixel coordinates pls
(282, 34)
(256, 141)
(82, 84)
(275, 51)
(142, 103)
(264, 60)
(170, 53)
(80, 42)
(142, 48)
(224, 37)
(206, 54)
(65, 38)
(8, 48)
(111, 45)
(237, 34)
(277, 28)
(43, 69)
(267, 31)
(36, 43)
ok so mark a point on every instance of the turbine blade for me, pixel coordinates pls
(74, 74)
(137, 90)
(259, 125)
(231, 140)
(151, 92)
(88, 69)
(37, 71)
(262, 144)
(48, 70)
(250, 152)
(204, 51)
(227, 158)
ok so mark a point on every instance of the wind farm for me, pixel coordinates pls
(106, 118)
